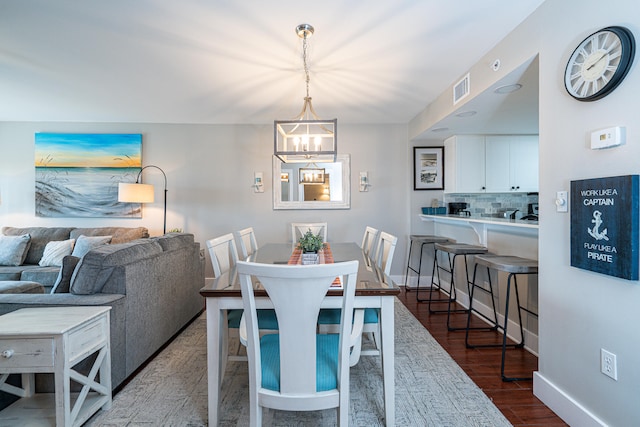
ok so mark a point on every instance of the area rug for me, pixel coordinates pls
(431, 389)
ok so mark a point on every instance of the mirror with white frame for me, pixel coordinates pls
(292, 188)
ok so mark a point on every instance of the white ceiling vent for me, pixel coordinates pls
(461, 89)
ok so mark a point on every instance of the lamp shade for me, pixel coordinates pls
(135, 193)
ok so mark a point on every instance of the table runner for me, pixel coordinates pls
(324, 257)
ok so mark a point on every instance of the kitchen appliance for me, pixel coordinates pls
(532, 212)
(459, 208)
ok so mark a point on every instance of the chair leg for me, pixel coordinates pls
(255, 410)
(406, 273)
(504, 338)
(343, 407)
(435, 284)
(472, 286)
(449, 311)
(355, 340)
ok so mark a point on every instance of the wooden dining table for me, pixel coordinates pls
(374, 290)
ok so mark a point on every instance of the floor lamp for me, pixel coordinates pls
(142, 193)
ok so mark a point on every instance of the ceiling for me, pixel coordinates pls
(495, 111)
(229, 62)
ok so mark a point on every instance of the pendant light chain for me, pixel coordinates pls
(304, 59)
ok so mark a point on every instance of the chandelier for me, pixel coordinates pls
(312, 174)
(305, 138)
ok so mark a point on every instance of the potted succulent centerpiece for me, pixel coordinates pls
(310, 244)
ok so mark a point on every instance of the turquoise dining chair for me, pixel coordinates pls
(224, 257)
(364, 320)
(297, 369)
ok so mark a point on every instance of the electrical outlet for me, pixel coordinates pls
(608, 364)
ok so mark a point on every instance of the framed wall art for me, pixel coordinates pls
(428, 168)
(604, 225)
(77, 175)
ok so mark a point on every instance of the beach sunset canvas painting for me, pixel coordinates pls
(77, 175)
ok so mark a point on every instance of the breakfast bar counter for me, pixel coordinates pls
(481, 225)
(501, 236)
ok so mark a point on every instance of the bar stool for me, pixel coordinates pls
(423, 240)
(513, 265)
(453, 250)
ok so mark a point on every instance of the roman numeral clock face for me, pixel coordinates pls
(599, 63)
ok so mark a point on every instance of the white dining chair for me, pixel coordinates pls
(298, 369)
(223, 254)
(384, 253)
(367, 320)
(224, 257)
(370, 241)
(247, 242)
(299, 228)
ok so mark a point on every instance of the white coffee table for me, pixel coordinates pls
(55, 339)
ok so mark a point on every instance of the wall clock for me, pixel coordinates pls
(599, 63)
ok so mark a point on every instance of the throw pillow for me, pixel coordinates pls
(40, 236)
(13, 249)
(63, 282)
(84, 244)
(55, 251)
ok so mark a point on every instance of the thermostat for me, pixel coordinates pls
(607, 138)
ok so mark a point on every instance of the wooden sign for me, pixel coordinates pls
(604, 225)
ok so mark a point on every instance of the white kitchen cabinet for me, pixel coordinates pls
(491, 164)
(497, 164)
(524, 163)
(464, 166)
(511, 163)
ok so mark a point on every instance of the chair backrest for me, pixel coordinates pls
(385, 250)
(247, 240)
(223, 254)
(299, 228)
(369, 241)
(297, 293)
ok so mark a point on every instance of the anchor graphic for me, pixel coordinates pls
(595, 231)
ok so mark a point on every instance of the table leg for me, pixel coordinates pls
(387, 353)
(105, 367)
(62, 384)
(214, 359)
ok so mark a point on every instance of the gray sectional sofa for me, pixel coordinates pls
(152, 285)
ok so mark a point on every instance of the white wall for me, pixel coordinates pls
(580, 312)
(210, 171)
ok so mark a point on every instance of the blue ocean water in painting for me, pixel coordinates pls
(83, 192)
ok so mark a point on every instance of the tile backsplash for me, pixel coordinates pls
(493, 204)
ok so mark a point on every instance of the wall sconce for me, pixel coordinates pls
(258, 183)
(142, 193)
(312, 176)
(364, 181)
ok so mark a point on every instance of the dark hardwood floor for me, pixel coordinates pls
(514, 399)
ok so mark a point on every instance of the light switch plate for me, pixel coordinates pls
(562, 201)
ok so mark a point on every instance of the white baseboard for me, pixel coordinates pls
(562, 404)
